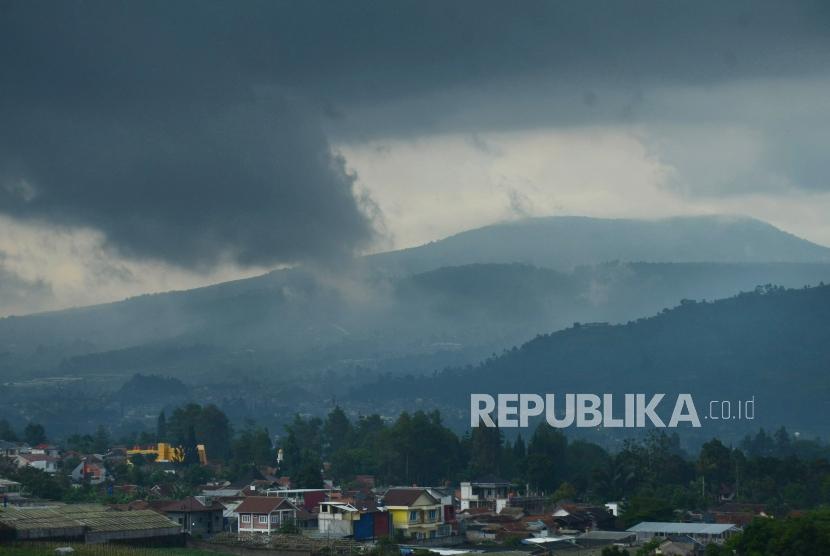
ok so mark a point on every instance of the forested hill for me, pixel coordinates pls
(773, 344)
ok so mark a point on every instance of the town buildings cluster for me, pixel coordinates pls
(488, 510)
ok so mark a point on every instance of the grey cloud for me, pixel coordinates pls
(19, 295)
(252, 182)
(195, 132)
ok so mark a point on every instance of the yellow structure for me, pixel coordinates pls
(165, 453)
(416, 512)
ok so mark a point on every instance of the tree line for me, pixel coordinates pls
(653, 476)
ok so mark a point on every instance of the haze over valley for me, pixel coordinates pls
(309, 336)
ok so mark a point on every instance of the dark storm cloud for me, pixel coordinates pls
(191, 131)
(253, 181)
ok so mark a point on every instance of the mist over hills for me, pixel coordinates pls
(772, 345)
(564, 242)
(297, 336)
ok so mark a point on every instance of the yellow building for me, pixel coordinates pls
(165, 453)
(416, 512)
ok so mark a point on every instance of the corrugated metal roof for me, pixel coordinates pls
(94, 517)
(669, 528)
(606, 535)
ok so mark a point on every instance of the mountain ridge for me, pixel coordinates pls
(771, 345)
(564, 242)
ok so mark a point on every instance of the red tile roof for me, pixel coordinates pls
(404, 496)
(191, 504)
(262, 504)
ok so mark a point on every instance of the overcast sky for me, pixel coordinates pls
(146, 146)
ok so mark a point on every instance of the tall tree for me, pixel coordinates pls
(715, 464)
(308, 474)
(337, 431)
(215, 432)
(101, 440)
(485, 451)
(6, 431)
(191, 453)
(252, 446)
(291, 452)
(34, 434)
(546, 458)
(161, 427)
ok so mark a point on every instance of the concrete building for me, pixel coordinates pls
(339, 519)
(488, 492)
(416, 513)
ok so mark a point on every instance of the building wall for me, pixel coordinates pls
(422, 526)
(254, 525)
(198, 523)
(382, 524)
(400, 518)
(328, 524)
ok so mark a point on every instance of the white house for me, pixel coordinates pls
(337, 519)
(37, 461)
(486, 492)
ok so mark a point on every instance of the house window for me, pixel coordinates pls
(432, 514)
(263, 519)
(275, 518)
(413, 516)
(246, 518)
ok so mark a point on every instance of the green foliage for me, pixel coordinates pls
(337, 432)
(782, 332)
(148, 387)
(485, 451)
(289, 528)
(252, 446)
(191, 454)
(34, 434)
(385, 546)
(308, 474)
(36, 482)
(6, 431)
(646, 508)
(101, 441)
(207, 425)
(715, 464)
(546, 458)
(83, 444)
(649, 548)
(161, 428)
(793, 536)
(566, 491)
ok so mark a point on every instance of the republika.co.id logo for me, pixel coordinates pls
(594, 410)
